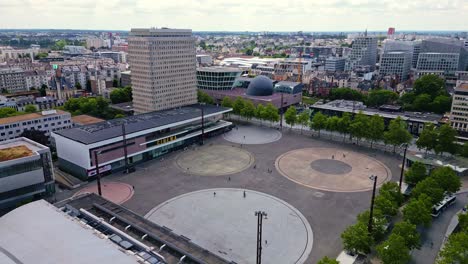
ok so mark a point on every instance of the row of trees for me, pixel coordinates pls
(246, 109)
(456, 249)
(8, 112)
(428, 191)
(95, 106)
(440, 139)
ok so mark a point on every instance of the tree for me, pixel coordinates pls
(455, 250)
(227, 102)
(376, 128)
(344, 123)
(327, 260)
(422, 102)
(238, 105)
(386, 206)
(271, 113)
(430, 84)
(42, 90)
(7, 112)
(319, 122)
(394, 250)
(409, 233)
(346, 94)
(290, 116)
(397, 133)
(441, 104)
(88, 86)
(379, 223)
(446, 140)
(332, 124)
(391, 191)
(463, 222)
(447, 179)
(417, 212)
(380, 97)
(30, 109)
(359, 126)
(203, 97)
(356, 239)
(119, 116)
(121, 95)
(260, 113)
(429, 187)
(249, 110)
(36, 135)
(78, 86)
(303, 119)
(115, 83)
(428, 138)
(416, 173)
(464, 150)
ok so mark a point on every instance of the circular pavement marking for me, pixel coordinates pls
(224, 222)
(214, 160)
(251, 135)
(116, 192)
(331, 169)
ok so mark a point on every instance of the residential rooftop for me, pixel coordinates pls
(111, 129)
(31, 116)
(18, 148)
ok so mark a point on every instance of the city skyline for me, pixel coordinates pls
(336, 15)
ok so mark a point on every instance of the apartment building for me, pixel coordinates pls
(459, 112)
(12, 80)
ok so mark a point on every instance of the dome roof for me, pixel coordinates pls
(260, 86)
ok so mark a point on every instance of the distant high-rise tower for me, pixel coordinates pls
(364, 52)
(163, 64)
(390, 32)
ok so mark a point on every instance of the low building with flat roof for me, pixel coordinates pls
(82, 120)
(415, 120)
(48, 121)
(25, 172)
(148, 136)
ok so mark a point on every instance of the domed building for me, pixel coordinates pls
(260, 86)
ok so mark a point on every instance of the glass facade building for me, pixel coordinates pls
(217, 78)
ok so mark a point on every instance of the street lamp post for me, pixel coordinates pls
(259, 215)
(403, 165)
(98, 174)
(371, 214)
(202, 123)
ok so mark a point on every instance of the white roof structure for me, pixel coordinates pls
(40, 233)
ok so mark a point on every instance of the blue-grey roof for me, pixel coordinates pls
(260, 86)
(113, 128)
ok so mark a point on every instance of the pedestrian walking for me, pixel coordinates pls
(214, 194)
(333, 156)
(266, 242)
(244, 137)
(344, 156)
(244, 194)
(229, 179)
(255, 166)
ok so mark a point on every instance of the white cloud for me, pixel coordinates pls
(292, 15)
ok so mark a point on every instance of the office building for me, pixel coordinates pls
(447, 45)
(447, 63)
(94, 43)
(204, 60)
(126, 78)
(25, 172)
(148, 136)
(459, 111)
(396, 63)
(364, 53)
(163, 67)
(416, 51)
(12, 80)
(334, 64)
(116, 56)
(48, 121)
(217, 77)
(398, 45)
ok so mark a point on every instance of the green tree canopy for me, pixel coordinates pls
(260, 112)
(418, 212)
(391, 191)
(386, 206)
(397, 133)
(428, 138)
(36, 135)
(249, 110)
(379, 223)
(447, 179)
(446, 140)
(394, 250)
(238, 105)
(381, 97)
(344, 123)
(416, 173)
(272, 113)
(455, 250)
(409, 233)
(227, 102)
(30, 109)
(346, 94)
(356, 239)
(359, 127)
(319, 122)
(121, 95)
(327, 260)
(430, 187)
(332, 124)
(203, 97)
(422, 102)
(430, 84)
(376, 128)
(464, 150)
(304, 118)
(291, 116)
(441, 104)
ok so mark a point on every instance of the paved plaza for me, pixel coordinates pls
(332, 169)
(224, 222)
(117, 192)
(327, 212)
(252, 135)
(214, 160)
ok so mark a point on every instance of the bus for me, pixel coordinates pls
(442, 205)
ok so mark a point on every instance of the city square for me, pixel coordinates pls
(209, 195)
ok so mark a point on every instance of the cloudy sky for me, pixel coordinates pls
(237, 15)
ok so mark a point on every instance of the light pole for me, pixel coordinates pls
(98, 175)
(403, 165)
(371, 214)
(202, 107)
(259, 215)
